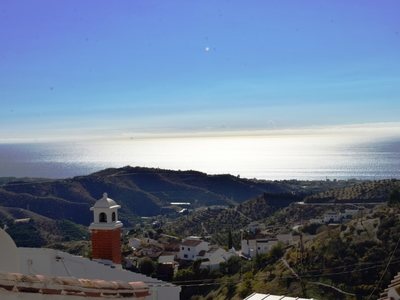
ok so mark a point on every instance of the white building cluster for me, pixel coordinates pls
(193, 248)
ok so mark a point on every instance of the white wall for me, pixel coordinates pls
(215, 258)
(57, 263)
(286, 238)
(191, 252)
(334, 217)
(264, 247)
(9, 260)
(251, 248)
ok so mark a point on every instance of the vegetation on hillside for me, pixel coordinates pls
(140, 192)
(220, 223)
(368, 191)
(33, 230)
(355, 260)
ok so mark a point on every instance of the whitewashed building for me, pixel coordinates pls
(252, 247)
(332, 217)
(192, 248)
(214, 256)
(288, 238)
(350, 213)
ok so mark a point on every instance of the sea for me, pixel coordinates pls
(261, 157)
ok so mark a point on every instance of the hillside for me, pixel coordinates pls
(353, 256)
(147, 192)
(29, 229)
(361, 192)
(218, 222)
(348, 261)
(140, 191)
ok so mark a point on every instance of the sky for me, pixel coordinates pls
(120, 68)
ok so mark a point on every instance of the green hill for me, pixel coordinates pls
(217, 223)
(140, 191)
(29, 229)
(356, 261)
(361, 192)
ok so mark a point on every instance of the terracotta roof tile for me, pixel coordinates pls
(20, 283)
(192, 243)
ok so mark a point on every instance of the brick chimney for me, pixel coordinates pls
(106, 230)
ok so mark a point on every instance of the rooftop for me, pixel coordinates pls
(105, 202)
(191, 243)
(46, 285)
(257, 296)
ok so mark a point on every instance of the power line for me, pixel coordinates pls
(386, 268)
(351, 265)
(303, 275)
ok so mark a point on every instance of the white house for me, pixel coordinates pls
(252, 247)
(350, 213)
(332, 217)
(166, 258)
(192, 248)
(287, 238)
(316, 221)
(215, 256)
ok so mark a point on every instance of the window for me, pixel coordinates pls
(183, 248)
(188, 249)
(103, 218)
(113, 217)
(185, 256)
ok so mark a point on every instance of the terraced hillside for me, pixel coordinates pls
(369, 191)
(213, 221)
(355, 260)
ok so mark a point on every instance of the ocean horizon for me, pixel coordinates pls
(269, 158)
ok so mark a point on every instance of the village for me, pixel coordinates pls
(170, 253)
(154, 265)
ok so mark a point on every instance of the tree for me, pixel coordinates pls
(230, 241)
(394, 198)
(147, 266)
(245, 288)
(231, 266)
(277, 252)
(230, 287)
(184, 275)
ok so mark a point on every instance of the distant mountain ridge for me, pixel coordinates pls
(140, 191)
(146, 191)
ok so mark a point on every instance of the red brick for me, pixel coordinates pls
(106, 244)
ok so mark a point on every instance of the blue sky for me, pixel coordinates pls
(114, 67)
